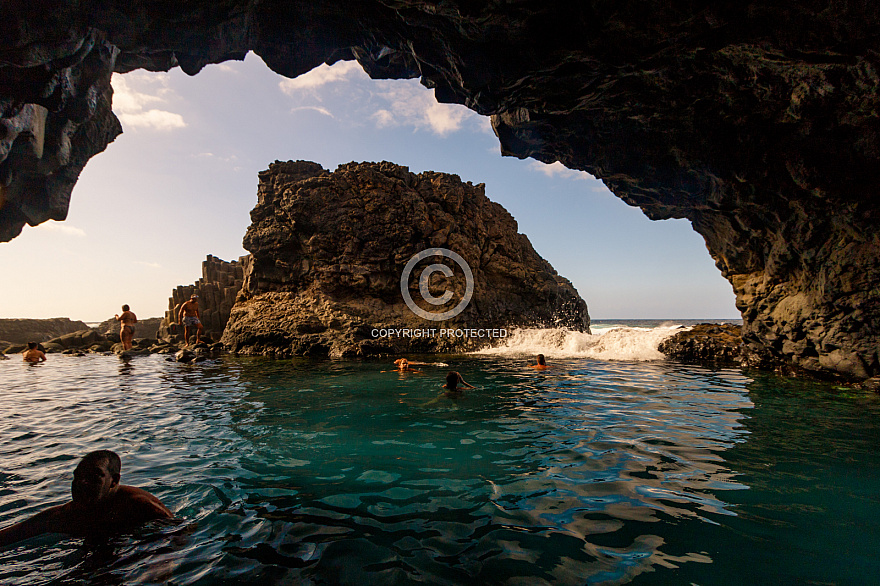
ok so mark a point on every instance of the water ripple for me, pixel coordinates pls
(332, 472)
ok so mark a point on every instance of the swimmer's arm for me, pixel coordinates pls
(462, 381)
(42, 357)
(48, 521)
(435, 400)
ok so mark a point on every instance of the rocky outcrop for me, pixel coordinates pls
(217, 289)
(22, 331)
(757, 121)
(328, 252)
(705, 343)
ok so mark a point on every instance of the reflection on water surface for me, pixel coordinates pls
(333, 472)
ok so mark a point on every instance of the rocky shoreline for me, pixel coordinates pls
(101, 339)
(708, 344)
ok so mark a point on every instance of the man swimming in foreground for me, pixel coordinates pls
(100, 504)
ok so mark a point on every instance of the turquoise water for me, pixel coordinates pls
(331, 472)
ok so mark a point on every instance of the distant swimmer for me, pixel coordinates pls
(188, 317)
(33, 354)
(542, 364)
(453, 379)
(100, 504)
(126, 326)
(403, 366)
(411, 362)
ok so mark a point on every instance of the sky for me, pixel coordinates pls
(180, 181)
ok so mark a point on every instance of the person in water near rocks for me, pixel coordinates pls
(542, 364)
(33, 354)
(188, 317)
(410, 362)
(126, 326)
(403, 366)
(100, 504)
(453, 379)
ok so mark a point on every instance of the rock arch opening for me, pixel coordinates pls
(756, 122)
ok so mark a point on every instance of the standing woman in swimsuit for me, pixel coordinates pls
(126, 329)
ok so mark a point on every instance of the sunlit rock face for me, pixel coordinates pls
(757, 121)
(333, 253)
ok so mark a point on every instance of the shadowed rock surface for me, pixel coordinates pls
(757, 121)
(705, 343)
(328, 251)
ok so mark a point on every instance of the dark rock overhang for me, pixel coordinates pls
(756, 121)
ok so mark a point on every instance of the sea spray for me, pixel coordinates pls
(619, 343)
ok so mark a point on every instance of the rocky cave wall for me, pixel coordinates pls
(757, 121)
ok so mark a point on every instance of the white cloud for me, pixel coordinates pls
(53, 226)
(155, 119)
(322, 75)
(390, 104)
(152, 265)
(225, 67)
(213, 157)
(410, 104)
(317, 109)
(131, 105)
(557, 169)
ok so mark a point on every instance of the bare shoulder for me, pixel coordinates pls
(140, 502)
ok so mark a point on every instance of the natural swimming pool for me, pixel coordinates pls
(332, 472)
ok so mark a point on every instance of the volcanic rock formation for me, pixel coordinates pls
(328, 251)
(217, 289)
(755, 120)
(705, 343)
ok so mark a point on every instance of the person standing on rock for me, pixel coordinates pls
(126, 326)
(34, 354)
(188, 317)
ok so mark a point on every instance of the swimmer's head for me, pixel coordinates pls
(32, 345)
(125, 307)
(541, 361)
(452, 380)
(95, 477)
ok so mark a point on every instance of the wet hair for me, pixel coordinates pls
(541, 360)
(114, 464)
(452, 380)
(125, 307)
(32, 345)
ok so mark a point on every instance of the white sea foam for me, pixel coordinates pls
(616, 343)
